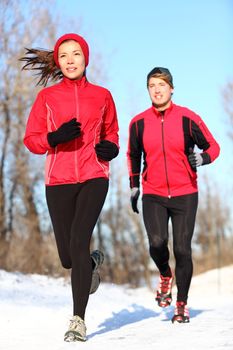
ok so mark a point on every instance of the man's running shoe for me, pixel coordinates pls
(164, 292)
(76, 331)
(97, 259)
(181, 313)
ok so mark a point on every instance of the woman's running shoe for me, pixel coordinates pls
(97, 260)
(76, 331)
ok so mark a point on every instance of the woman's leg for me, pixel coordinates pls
(61, 201)
(183, 214)
(89, 203)
(74, 210)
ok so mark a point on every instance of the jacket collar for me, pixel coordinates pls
(158, 113)
(81, 82)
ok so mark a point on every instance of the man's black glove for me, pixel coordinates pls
(66, 132)
(106, 150)
(195, 159)
(134, 198)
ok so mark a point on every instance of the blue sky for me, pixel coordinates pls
(194, 39)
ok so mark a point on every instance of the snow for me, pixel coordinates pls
(35, 312)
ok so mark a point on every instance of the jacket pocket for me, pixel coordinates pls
(144, 175)
(192, 174)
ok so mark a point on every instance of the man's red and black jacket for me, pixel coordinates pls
(165, 140)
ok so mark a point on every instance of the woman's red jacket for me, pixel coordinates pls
(76, 160)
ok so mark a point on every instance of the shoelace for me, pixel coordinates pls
(165, 284)
(181, 309)
(74, 323)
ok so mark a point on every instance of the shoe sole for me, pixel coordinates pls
(73, 337)
(95, 274)
(164, 304)
(95, 282)
(180, 319)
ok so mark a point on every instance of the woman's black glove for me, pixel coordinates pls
(66, 132)
(106, 150)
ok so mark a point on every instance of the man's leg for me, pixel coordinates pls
(183, 216)
(156, 218)
(183, 220)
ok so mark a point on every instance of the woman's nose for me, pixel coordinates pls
(70, 59)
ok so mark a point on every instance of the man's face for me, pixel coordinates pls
(160, 93)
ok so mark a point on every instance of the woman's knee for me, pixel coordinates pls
(66, 265)
(65, 261)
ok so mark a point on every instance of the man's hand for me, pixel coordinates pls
(135, 192)
(195, 159)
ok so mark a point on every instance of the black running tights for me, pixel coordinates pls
(156, 214)
(74, 210)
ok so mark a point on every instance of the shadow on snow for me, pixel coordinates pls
(124, 317)
(135, 314)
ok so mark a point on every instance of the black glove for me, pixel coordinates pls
(134, 198)
(66, 132)
(106, 150)
(195, 159)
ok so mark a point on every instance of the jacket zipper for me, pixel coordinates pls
(76, 140)
(165, 159)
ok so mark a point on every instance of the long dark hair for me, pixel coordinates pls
(42, 61)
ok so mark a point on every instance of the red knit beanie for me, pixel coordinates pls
(72, 36)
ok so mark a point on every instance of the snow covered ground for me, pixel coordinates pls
(35, 312)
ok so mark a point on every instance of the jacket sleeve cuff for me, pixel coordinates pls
(134, 181)
(206, 158)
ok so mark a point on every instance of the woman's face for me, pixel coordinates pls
(160, 93)
(71, 59)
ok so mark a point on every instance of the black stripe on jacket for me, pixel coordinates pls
(193, 135)
(136, 148)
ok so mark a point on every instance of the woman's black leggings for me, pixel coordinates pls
(182, 211)
(74, 210)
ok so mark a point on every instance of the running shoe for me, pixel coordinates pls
(76, 330)
(164, 291)
(97, 260)
(181, 313)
